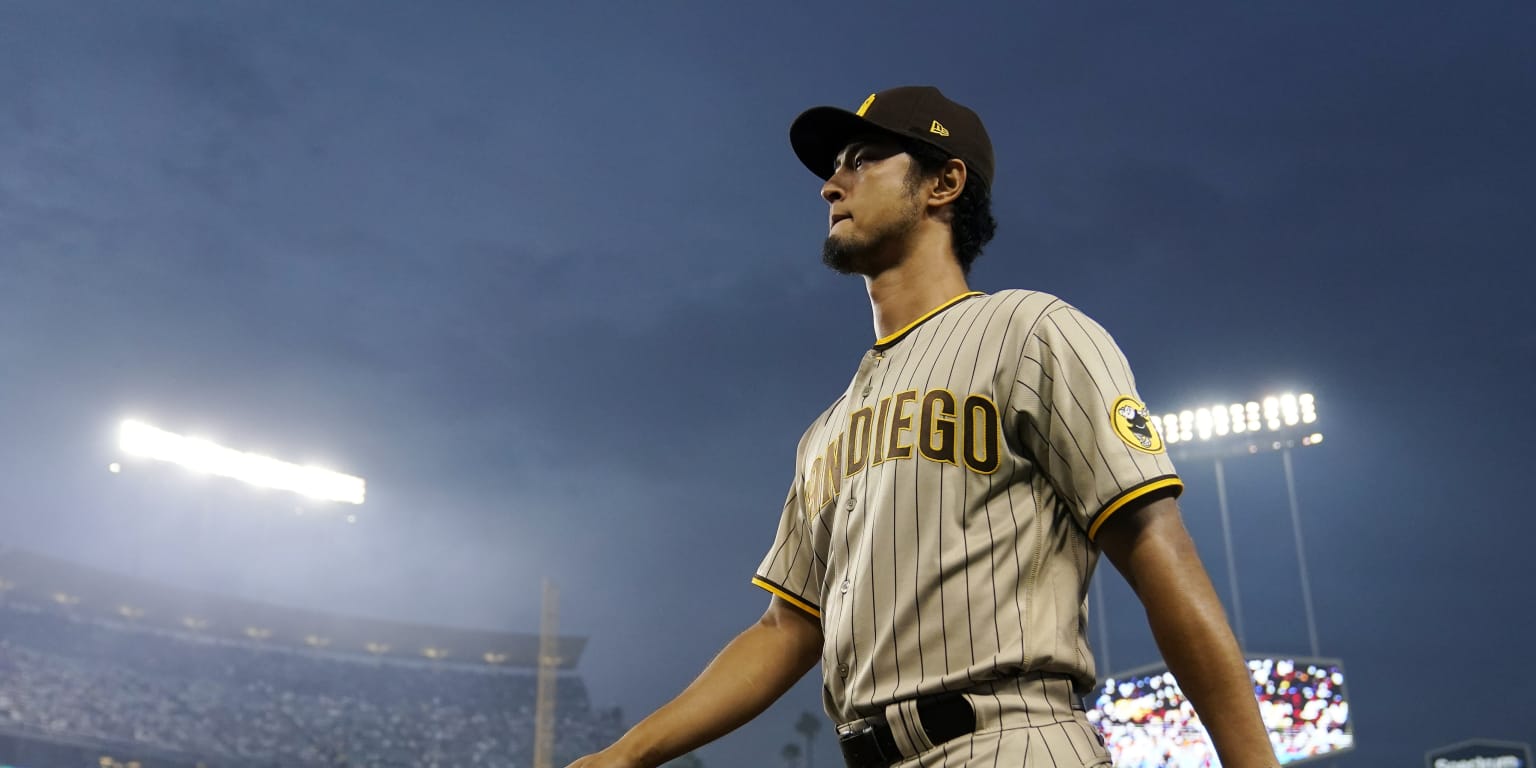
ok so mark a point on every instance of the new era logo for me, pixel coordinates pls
(938, 128)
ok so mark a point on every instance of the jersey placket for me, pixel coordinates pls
(850, 528)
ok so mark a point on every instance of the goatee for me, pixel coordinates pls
(868, 257)
(877, 251)
(842, 256)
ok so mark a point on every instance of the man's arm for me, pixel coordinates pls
(1151, 548)
(751, 673)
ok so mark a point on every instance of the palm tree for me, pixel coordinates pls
(791, 755)
(809, 725)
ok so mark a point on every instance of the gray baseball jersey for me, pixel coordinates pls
(943, 511)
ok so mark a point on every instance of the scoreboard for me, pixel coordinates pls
(1148, 723)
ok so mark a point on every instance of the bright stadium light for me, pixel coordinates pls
(1289, 411)
(1203, 423)
(140, 439)
(1212, 422)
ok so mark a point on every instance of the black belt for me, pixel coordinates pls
(870, 744)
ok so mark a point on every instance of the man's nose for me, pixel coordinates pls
(830, 191)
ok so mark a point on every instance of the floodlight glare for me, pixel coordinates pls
(1289, 411)
(1171, 427)
(1203, 423)
(140, 439)
(1273, 413)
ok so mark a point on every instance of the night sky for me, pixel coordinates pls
(548, 276)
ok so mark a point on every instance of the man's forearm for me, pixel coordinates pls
(1154, 552)
(747, 676)
(1201, 653)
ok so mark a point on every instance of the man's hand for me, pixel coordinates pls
(1151, 548)
(752, 672)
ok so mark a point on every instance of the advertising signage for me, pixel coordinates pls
(1480, 753)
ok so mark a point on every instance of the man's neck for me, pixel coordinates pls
(925, 279)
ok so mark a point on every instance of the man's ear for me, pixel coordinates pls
(948, 183)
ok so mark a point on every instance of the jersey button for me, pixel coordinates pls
(842, 670)
(843, 588)
(850, 505)
(867, 388)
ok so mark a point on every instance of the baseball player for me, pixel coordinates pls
(948, 509)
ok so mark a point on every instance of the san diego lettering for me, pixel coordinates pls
(935, 425)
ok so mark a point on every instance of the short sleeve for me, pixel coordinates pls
(1083, 420)
(789, 570)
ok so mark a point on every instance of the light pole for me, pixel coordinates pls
(1276, 423)
(1098, 597)
(1226, 537)
(1301, 557)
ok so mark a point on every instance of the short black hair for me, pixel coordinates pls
(971, 224)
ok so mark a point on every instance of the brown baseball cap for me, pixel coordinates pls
(918, 112)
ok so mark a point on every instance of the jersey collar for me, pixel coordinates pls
(889, 341)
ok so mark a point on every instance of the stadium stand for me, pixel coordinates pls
(92, 664)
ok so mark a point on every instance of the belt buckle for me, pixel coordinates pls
(861, 747)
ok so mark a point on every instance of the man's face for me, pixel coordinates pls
(872, 206)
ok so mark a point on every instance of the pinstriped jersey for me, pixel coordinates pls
(942, 516)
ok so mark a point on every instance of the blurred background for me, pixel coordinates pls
(546, 277)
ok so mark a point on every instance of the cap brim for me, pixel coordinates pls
(819, 133)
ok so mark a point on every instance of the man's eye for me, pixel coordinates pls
(858, 162)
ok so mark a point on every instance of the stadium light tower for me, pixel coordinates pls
(1274, 423)
(142, 440)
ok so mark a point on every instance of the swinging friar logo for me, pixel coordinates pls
(1135, 426)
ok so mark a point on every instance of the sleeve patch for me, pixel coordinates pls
(1135, 426)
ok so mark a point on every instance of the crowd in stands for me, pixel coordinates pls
(1148, 723)
(68, 677)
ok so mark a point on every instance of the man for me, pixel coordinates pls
(947, 511)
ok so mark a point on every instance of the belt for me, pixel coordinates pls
(869, 743)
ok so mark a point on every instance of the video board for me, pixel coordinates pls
(1148, 723)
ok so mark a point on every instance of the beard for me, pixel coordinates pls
(873, 253)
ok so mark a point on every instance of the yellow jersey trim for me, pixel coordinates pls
(1130, 496)
(787, 597)
(915, 323)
